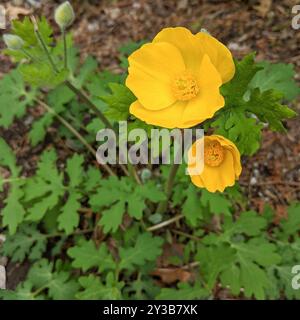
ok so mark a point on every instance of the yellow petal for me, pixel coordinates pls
(151, 71)
(186, 42)
(170, 117)
(209, 100)
(229, 145)
(220, 56)
(218, 178)
(197, 181)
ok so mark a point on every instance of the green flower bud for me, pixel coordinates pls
(13, 42)
(146, 175)
(64, 15)
(204, 31)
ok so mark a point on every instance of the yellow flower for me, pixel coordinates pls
(176, 78)
(222, 165)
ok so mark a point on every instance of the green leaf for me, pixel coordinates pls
(46, 190)
(25, 30)
(42, 75)
(249, 223)
(146, 248)
(94, 289)
(268, 108)
(192, 208)
(27, 242)
(74, 170)
(58, 283)
(217, 202)
(115, 193)
(112, 218)
(68, 219)
(46, 187)
(184, 292)
(85, 256)
(13, 211)
(235, 89)
(276, 76)
(22, 292)
(291, 226)
(241, 129)
(39, 129)
(14, 98)
(57, 99)
(118, 102)
(86, 70)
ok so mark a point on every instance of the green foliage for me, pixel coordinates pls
(13, 212)
(116, 196)
(28, 242)
(196, 205)
(118, 102)
(94, 289)
(251, 101)
(241, 128)
(40, 278)
(86, 235)
(146, 248)
(184, 291)
(267, 107)
(86, 256)
(44, 192)
(277, 76)
(14, 98)
(242, 256)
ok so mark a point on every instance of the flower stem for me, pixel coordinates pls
(65, 48)
(76, 134)
(43, 44)
(82, 96)
(80, 93)
(168, 188)
(165, 223)
(27, 54)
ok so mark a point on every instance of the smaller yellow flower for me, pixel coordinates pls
(222, 164)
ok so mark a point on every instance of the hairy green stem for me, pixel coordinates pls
(168, 189)
(82, 96)
(43, 44)
(80, 93)
(76, 134)
(165, 223)
(65, 49)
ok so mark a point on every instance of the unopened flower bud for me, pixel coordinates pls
(204, 31)
(13, 42)
(64, 15)
(145, 175)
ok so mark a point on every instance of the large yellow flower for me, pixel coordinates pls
(222, 165)
(176, 78)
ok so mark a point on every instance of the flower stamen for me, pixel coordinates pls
(213, 153)
(185, 86)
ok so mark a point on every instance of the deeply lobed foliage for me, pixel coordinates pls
(95, 229)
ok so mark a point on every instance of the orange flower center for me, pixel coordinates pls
(185, 86)
(213, 153)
